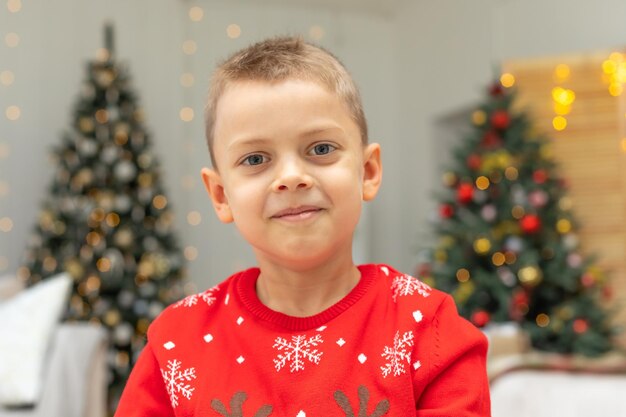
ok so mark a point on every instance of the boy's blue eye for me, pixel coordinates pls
(255, 159)
(323, 149)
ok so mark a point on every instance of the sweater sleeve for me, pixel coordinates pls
(145, 393)
(458, 384)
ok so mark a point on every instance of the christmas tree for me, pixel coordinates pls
(107, 221)
(508, 249)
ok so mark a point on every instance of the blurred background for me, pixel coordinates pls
(423, 68)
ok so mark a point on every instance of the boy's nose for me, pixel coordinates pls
(292, 176)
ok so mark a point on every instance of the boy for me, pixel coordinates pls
(307, 333)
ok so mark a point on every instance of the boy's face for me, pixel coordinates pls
(292, 170)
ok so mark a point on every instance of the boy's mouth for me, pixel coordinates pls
(294, 213)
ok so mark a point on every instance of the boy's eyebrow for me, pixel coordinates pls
(257, 141)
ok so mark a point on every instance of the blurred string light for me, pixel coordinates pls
(7, 77)
(13, 113)
(12, 39)
(194, 218)
(233, 31)
(316, 32)
(191, 253)
(562, 98)
(507, 80)
(14, 6)
(196, 14)
(614, 69)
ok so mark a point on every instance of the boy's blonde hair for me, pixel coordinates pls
(278, 59)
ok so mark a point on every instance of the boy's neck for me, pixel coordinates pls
(304, 293)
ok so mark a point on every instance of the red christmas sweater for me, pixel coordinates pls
(391, 347)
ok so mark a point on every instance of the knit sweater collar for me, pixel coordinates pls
(246, 283)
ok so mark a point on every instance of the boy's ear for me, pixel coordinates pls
(372, 171)
(213, 184)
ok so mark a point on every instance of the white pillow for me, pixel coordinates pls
(27, 323)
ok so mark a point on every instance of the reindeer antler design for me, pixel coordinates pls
(364, 396)
(236, 407)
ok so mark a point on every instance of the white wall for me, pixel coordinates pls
(426, 60)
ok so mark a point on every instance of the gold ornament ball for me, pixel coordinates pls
(74, 268)
(450, 179)
(482, 246)
(530, 276)
(479, 117)
(112, 318)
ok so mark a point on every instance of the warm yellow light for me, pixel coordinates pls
(14, 6)
(462, 275)
(559, 123)
(191, 253)
(507, 80)
(194, 218)
(623, 145)
(196, 14)
(616, 56)
(563, 226)
(511, 173)
(190, 47)
(6, 224)
(316, 32)
(233, 31)
(186, 114)
(563, 96)
(498, 259)
(482, 183)
(93, 238)
(609, 67)
(49, 263)
(13, 113)
(7, 77)
(187, 79)
(12, 39)
(482, 246)
(159, 202)
(562, 72)
(479, 117)
(615, 89)
(542, 320)
(562, 109)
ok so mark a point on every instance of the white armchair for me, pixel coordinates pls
(74, 376)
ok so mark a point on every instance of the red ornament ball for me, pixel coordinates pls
(474, 161)
(587, 280)
(480, 318)
(446, 211)
(540, 176)
(500, 119)
(465, 193)
(530, 224)
(496, 89)
(491, 139)
(580, 326)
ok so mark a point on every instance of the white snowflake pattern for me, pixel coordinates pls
(405, 284)
(296, 351)
(175, 381)
(207, 296)
(397, 355)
